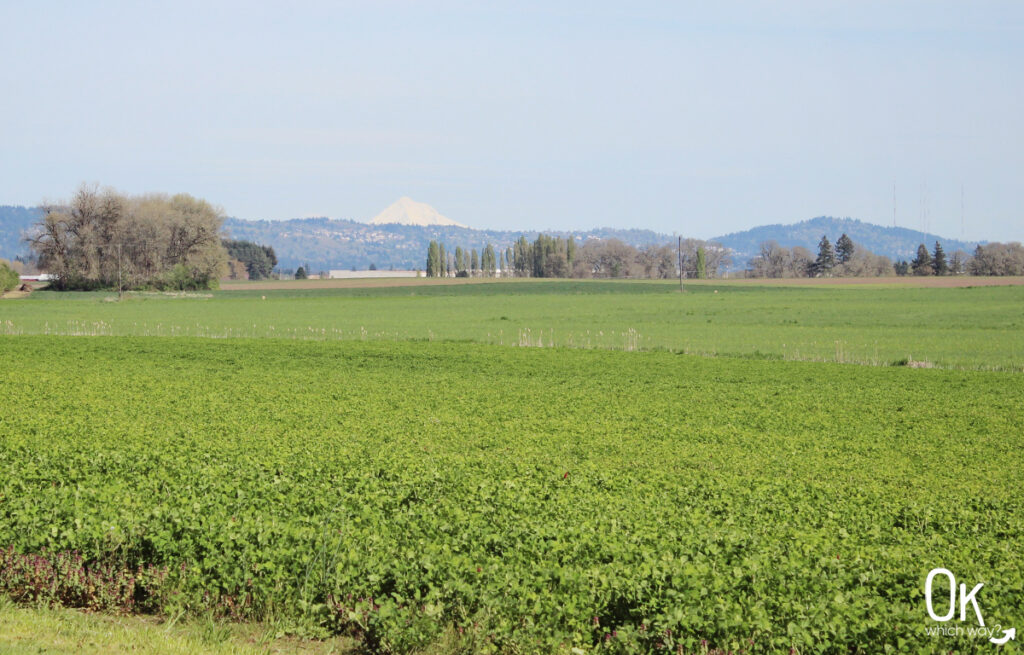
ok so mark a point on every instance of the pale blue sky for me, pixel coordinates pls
(694, 119)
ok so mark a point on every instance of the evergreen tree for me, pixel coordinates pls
(826, 260)
(939, 260)
(922, 264)
(570, 251)
(844, 249)
(259, 260)
(474, 264)
(300, 273)
(902, 268)
(702, 266)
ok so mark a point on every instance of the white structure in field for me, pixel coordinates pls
(349, 275)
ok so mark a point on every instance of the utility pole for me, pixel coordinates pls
(679, 252)
(120, 287)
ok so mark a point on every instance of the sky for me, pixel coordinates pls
(691, 118)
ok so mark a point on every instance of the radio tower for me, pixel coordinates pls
(894, 204)
(961, 212)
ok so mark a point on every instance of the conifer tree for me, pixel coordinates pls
(922, 264)
(844, 249)
(826, 260)
(939, 260)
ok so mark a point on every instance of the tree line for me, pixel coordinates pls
(442, 262)
(558, 257)
(249, 260)
(105, 239)
(997, 259)
(931, 263)
(845, 259)
(991, 259)
(848, 259)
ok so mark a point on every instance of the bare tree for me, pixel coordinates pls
(997, 259)
(657, 262)
(106, 239)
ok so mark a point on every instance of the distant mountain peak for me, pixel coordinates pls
(406, 211)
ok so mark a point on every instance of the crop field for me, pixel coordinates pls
(976, 327)
(427, 483)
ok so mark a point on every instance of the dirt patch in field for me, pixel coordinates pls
(353, 283)
(19, 292)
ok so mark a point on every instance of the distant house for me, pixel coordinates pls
(342, 275)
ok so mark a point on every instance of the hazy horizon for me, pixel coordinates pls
(564, 116)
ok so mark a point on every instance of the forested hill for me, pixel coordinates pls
(325, 243)
(893, 242)
(14, 222)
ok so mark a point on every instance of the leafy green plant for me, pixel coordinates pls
(511, 499)
(9, 279)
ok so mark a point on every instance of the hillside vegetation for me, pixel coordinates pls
(893, 242)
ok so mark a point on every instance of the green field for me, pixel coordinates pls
(981, 327)
(421, 485)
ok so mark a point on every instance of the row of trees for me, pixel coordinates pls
(932, 263)
(612, 258)
(104, 239)
(997, 259)
(550, 256)
(462, 263)
(846, 259)
(989, 259)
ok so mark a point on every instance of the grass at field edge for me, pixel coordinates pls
(26, 630)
